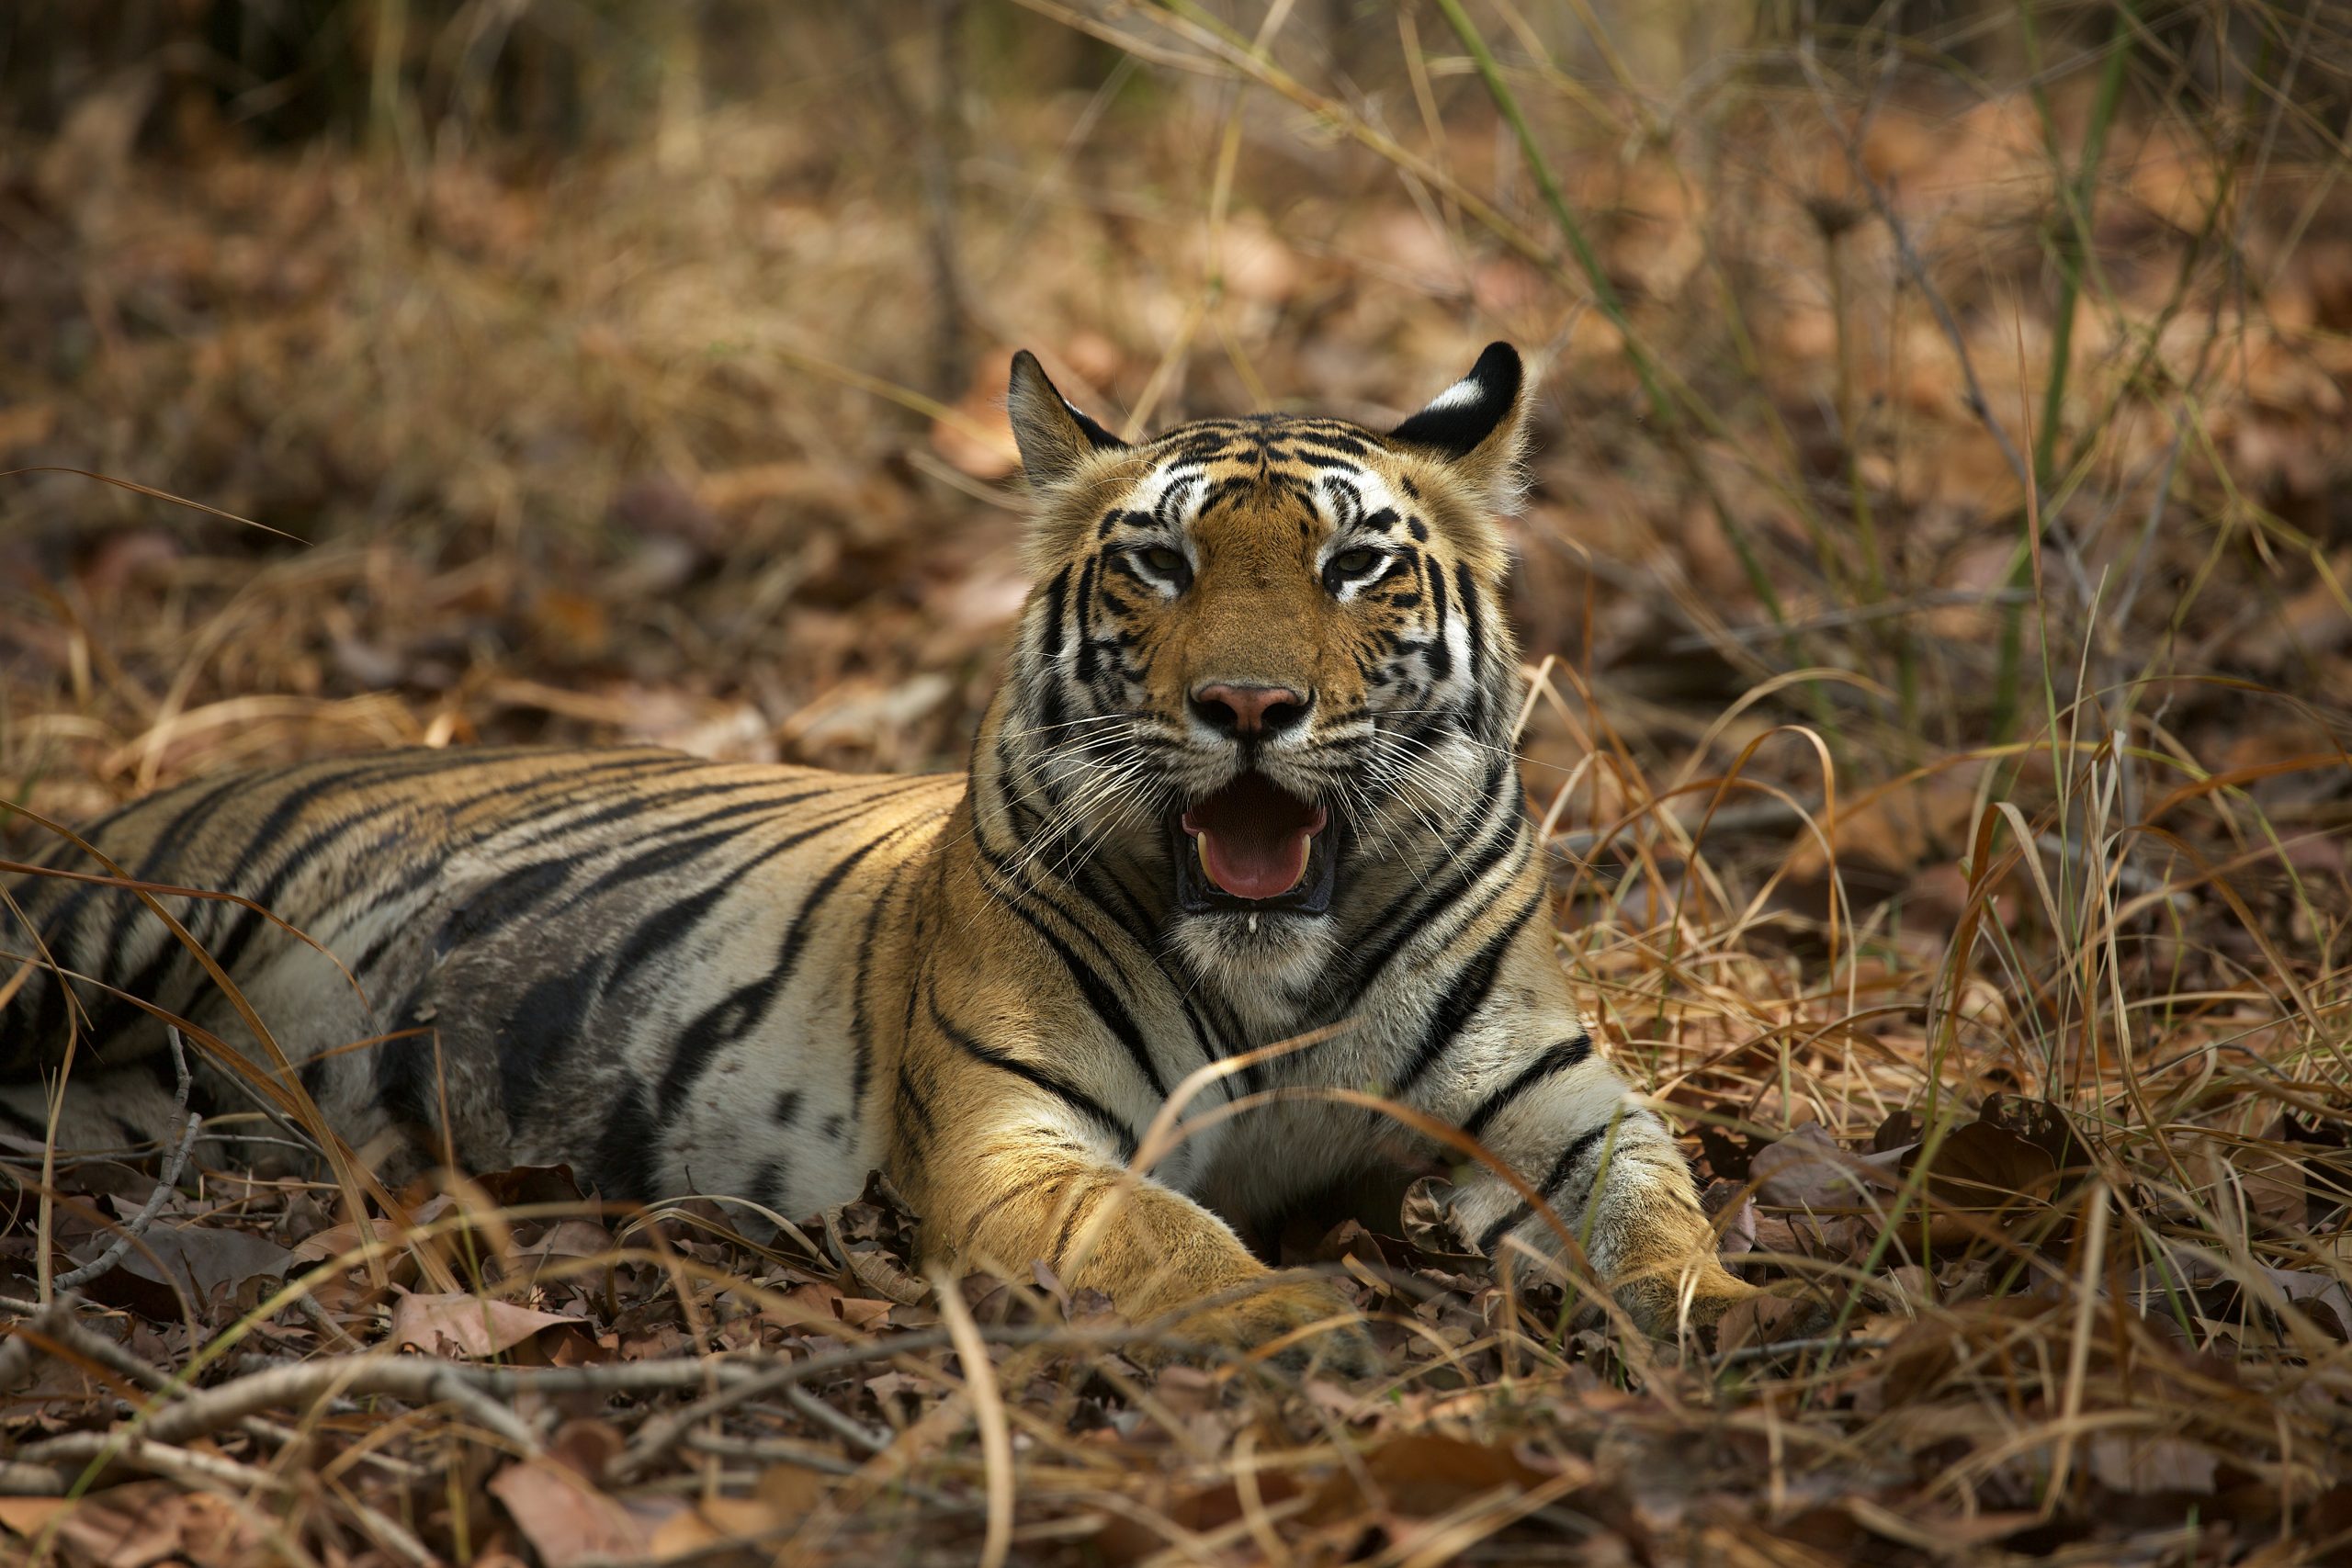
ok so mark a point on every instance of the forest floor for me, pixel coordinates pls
(1934, 580)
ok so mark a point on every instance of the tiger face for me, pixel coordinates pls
(1265, 663)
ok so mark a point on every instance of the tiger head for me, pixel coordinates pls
(1265, 660)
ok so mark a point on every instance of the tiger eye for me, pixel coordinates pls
(1162, 560)
(1356, 562)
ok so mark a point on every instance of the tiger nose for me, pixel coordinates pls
(1248, 711)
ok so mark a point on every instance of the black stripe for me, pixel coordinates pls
(1402, 922)
(403, 1062)
(548, 1022)
(722, 1025)
(1052, 713)
(1077, 1099)
(1106, 1003)
(1003, 792)
(1103, 888)
(549, 1019)
(249, 922)
(768, 1185)
(1012, 1194)
(1472, 984)
(910, 1098)
(1440, 654)
(340, 774)
(630, 804)
(1554, 1059)
(658, 933)
(61, 927)
(1056, 597)
(1329, 442)
(246, 922)
(1549, 1187)
(690, 843)
(1069, 1223)
(161, 849)
(1085, 671)
(502, 902)
(38, 1132)
(796, 938)
(1469, 589)
(622, 1162)
(860, 1027)
(425, 871)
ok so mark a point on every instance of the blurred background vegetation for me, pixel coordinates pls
(1964, 382)
(1935, 564)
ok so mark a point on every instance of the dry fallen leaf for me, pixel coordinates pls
(139, 1525)
(336, 1240)
(565, 1517)
(459, 1324)
(2133, 1463)
(1809, 1169)
(780, 1500)
(169, 1260)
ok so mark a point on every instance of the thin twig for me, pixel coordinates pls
(389, 1533)
(17, 1351)
(19, 1479)
(165, 1186)
(665, 1432)
(1978, 403)
(135, 1452)
(57, 1324)
(988, 1415)
(1796, 1346)
(784, 1451)
(479, 1407)
(418, 1381)
(657, 1436)
(848, 1428)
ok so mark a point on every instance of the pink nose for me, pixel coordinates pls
(1248, 710)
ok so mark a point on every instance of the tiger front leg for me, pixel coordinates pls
(1031, 1190)
(1611, 1176)
(1529, 1084)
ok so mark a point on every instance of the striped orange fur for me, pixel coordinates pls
(1248, 776)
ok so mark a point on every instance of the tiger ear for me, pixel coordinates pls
(1475, 427)
(1054, 438)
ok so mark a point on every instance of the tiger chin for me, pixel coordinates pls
(1246, 783)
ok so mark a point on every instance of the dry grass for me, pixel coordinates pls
(1937, 566)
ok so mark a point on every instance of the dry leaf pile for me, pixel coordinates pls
(1942, 736)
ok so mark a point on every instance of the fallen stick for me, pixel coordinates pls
(57, 1324)
(660, 1433)
(165, 1186)
(132, 1453)
(419, 1382)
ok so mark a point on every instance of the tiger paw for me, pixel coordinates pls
(1298, 1324)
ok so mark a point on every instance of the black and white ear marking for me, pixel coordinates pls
(1455, 421)
(1054, 438)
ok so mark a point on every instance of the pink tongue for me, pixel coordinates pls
(1255, 866)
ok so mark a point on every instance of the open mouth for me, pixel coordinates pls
(1253, 845)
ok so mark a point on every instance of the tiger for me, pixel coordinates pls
(1241, 850)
